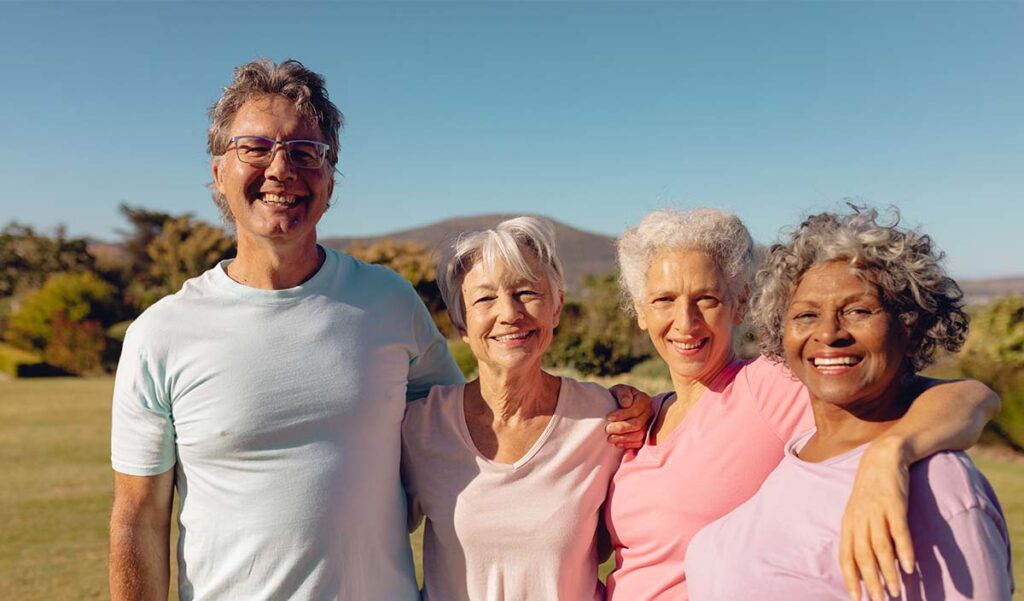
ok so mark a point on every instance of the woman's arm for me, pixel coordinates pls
(948, 415)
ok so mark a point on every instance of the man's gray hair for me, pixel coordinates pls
(504, 244)
(264, 77)
(901, 263)
(720, 235)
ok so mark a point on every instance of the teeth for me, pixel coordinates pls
(515, 336)
(824, 361)
(279, 200)
(687, 347)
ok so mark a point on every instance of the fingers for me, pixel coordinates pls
(900, 532)
(851, 576)
(882, 552)
(627, 414)
(868, 567)
(632, 440)
(624, 395)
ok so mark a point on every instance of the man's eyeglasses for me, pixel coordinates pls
(259, 151)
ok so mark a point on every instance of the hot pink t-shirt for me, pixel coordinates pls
(713, 461)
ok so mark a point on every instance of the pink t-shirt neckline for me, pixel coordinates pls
(653, 451)
(467, 438)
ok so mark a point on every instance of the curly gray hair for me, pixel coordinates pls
(264, 77)
(901, 263)
(505, 243)
(722, 236)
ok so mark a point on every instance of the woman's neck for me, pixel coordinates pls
(516, 394)
(841, 428)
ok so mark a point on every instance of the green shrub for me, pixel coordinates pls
(464, 357)
(81, 297)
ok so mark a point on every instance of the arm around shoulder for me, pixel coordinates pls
(140, 536)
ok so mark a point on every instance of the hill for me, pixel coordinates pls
(582, 253)
(587, 253)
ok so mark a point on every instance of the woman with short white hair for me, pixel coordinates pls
(510, 470)
(721, 430)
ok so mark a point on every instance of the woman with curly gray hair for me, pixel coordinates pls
(716, 437)
(856, 309)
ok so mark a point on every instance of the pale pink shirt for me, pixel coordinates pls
(509, 532)
(713, 461)
(782, 544)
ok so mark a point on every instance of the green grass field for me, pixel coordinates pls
(55, 498)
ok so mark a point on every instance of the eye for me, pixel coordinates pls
(483, 299)
(527, 294)
(857, 313)
(804, 316)
(708, 302)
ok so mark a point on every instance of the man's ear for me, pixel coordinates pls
(215, 168)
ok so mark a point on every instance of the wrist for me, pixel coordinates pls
(894, 447)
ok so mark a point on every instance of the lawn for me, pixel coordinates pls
(55, 498)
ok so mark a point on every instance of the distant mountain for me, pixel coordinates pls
(582, 253)
(587, 253)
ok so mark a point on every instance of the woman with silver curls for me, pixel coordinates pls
(722, 429)
(856, 309)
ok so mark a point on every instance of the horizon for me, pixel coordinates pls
(592, 114)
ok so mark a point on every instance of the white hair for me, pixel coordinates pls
(503, 244)
(722, 236)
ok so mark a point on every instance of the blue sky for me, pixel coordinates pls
(591, 113)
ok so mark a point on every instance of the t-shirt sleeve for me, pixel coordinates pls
(968, 559)
(142, 438)
(432, 364)
(779, 396)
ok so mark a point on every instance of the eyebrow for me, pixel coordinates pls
(843, 301)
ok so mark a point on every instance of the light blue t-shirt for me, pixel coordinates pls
(281, 411)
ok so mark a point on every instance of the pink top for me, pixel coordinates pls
(713, 461)
(509, 532)
(782, 544)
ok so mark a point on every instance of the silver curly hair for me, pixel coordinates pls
(901, 263)
(507, 244)
(722, 236)
(263, 77)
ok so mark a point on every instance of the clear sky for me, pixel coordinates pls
(591, 113)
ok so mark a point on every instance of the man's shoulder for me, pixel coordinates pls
(370, 278)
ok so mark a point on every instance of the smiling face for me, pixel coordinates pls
(279, 202)
(509, 320)
(841, 341)
(689, 314)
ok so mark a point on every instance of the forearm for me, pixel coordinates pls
(139, 561)
(945, 417)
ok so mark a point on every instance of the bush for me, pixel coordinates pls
(75, 346)
(464, 358)
(80, 296)
(994, 354)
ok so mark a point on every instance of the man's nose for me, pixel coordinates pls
(280, 167)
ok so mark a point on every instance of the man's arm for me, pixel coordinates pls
(946, 416)
(140, 537)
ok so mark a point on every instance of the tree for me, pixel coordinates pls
(28, 257)
(184, 249)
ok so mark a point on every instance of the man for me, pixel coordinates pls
(270, 390)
